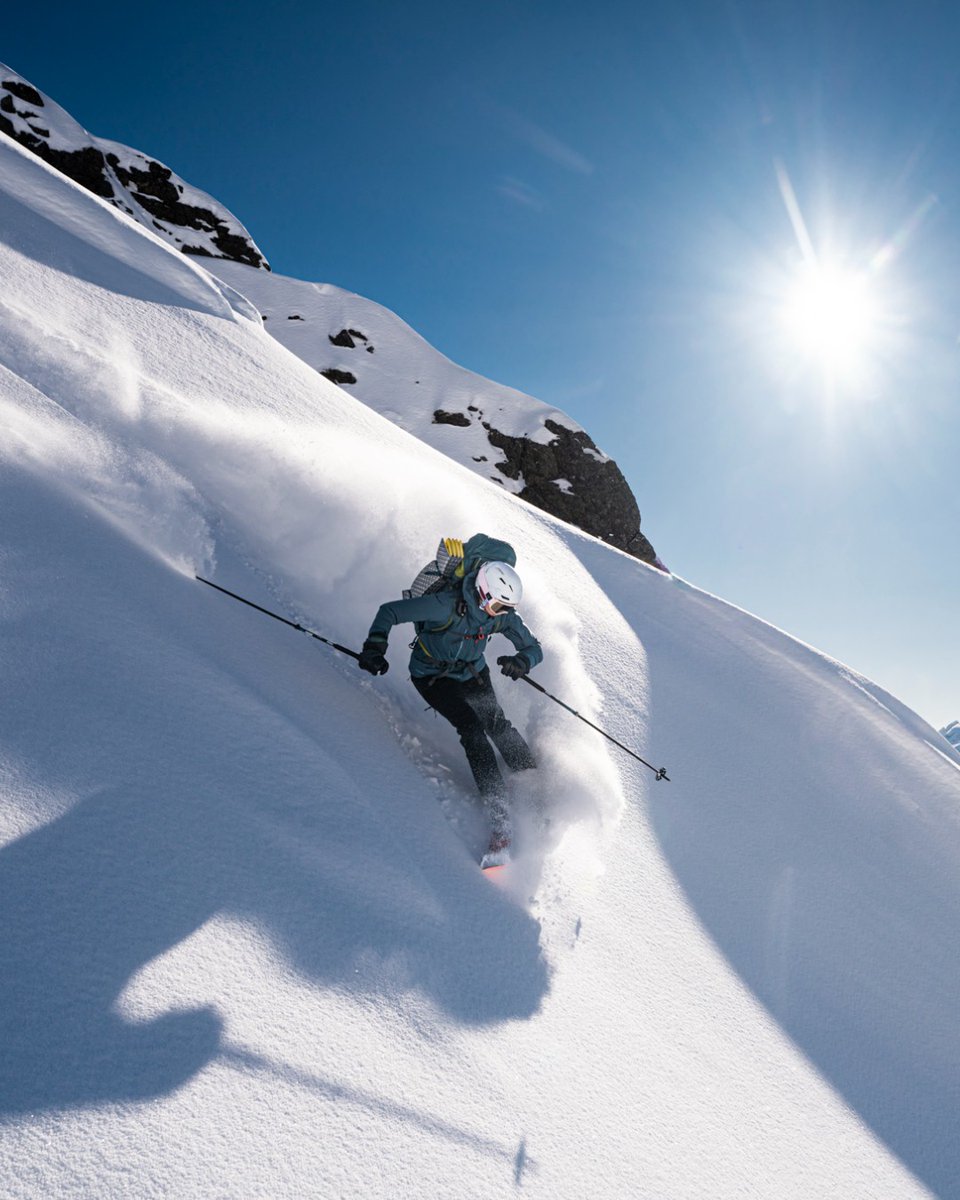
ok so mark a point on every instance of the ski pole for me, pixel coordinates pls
(659, 772)
(277, 617)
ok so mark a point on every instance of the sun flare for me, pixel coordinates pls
(830, 316)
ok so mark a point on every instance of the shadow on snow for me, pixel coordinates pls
(206, 796)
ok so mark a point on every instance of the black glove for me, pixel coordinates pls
(372, 659)
(514, 666)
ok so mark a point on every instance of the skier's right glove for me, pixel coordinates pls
(514, 666)
(372, 657)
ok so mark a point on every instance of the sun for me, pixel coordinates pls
(830, 316)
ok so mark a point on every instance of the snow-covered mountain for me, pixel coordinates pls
(245, 950)
(952, 733)
(524, 445)
(140, 186)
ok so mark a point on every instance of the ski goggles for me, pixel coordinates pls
(492, 607)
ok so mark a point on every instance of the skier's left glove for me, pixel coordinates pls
(514, 666)
(372, 657)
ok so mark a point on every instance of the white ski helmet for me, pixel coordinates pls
(498, 587)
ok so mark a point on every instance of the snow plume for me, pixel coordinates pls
(132, 488)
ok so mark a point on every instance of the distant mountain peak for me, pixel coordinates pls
(952, 733)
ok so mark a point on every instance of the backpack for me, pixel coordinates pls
(453, 562)
(441, 572)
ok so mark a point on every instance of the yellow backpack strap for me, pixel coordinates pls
(454, 547)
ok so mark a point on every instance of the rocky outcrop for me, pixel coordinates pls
(570, 478)
(516, 441)
(347, 339)
(153, 188)
(142, 187)
(565, 475)
(335, 375)
(444, 418)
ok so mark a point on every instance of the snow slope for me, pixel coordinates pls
(389, 361)
(525, 446)
(521, 444)
(245, 951)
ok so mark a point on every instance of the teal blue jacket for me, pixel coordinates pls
(455, 631)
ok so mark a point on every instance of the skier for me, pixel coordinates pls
(448, 669)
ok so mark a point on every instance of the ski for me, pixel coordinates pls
(495, 860)
(497, 854)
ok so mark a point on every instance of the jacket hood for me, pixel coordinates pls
(487, 549)
(471, 596)
(478, 550)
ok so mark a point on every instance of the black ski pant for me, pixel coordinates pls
(472, 708)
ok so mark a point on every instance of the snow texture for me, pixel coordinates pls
(245, 949)
(394, 370)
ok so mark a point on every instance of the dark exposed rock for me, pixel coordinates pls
(85, 166)
(239, 249)
(598, 500)
(450, 418)
(151, 185)
(640, 547)
(154, 190)
(336, 376)
(348, 338)
(23, 91)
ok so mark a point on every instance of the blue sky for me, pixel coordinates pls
(609, 206)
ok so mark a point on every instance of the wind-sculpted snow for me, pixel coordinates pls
(245, 950)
